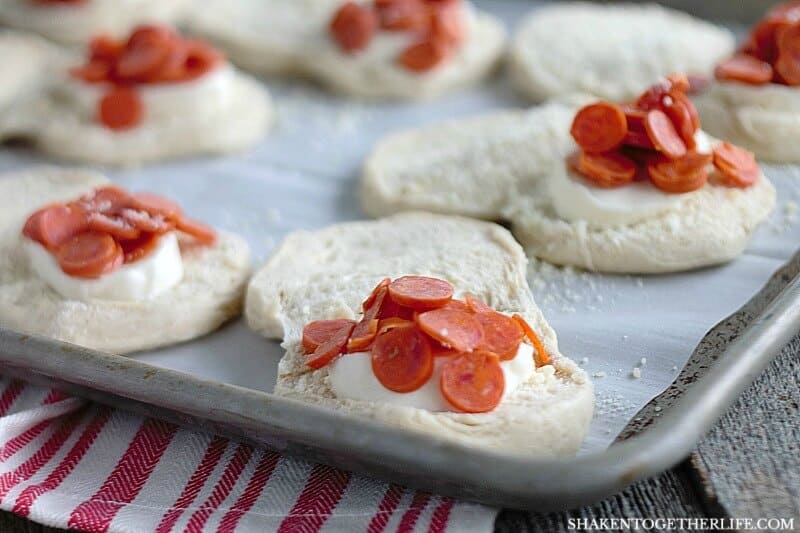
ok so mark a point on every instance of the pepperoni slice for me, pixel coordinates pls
(663, 134)
(367, 328)
(330, 349)
(136, 249)
(121, 108)
(402, 359)
(677, 176)
(737, 166)
(92, 72)
(105, 48)
(147, 222)
(115, 226)
(200, 59)
(90, 255)
(379, 290)
(599, 127)
(387, 324)
(788, 63)
(321, 331)
(540, 353)
(391, 309)
(109, 199)
(156, 205)
(473, 383)
(145, 54)
(501, 335)
(403, 15)
(54, 225)
(679, 109)
(424, 55)
(457, 305)
(420, 292)
(353, 27)
(744, 69)
(459, 330)
(202, 232)
(606, 170)
(477, 306)
(763, 40)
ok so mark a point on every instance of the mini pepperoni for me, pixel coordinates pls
(121, 108)
(115, 226)
(145, 54)
(330, 349)
(105, 48)
(540, 353)
(501, 335)
(54, 225)
(139, 248)
(788, 63)
(376, 292)
(202, 232)
(353, 27)
(420, 292)
(424, 55)
(457, 305)
(677, 176)
(763, 40)
(473, 383)
(459, 330)
(367, 328)
(737, 166)
(477, 306)
(92, 72)
(745, 69)
(607, 170)
(90, 255)
(402, 359)
(200, 59)
(599, 127)
(403, 15)
(652, 97)
(320, 331)
(679, 109)
(109, 199)
(663, 134)
(146, 222)
(387, 324)
(156, 205)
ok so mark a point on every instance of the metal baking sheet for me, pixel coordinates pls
(304, 176)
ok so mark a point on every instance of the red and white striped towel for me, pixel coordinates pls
(65, 462)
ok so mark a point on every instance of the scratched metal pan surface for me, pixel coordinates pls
(189, 386)
(416, 460)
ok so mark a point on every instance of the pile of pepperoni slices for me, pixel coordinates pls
(439, 25)
(409, 322)
(653, 138)
(152, 54)
(771, 53)
(101, 231)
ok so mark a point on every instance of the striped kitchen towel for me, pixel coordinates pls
(69, 463)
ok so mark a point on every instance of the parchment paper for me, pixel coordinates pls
(304, 176)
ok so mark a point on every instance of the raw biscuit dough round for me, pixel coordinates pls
(59, 127)
(497, 166)
(291, 38)
(210, 293)
(764, 119)
(327, 273)
(612, 51)
(76, 24)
